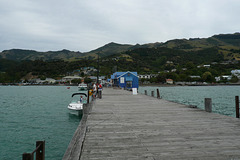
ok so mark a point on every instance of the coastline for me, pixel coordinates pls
(175, 85)
(16, 84)
(140, 85)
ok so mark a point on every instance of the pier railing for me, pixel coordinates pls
(40, 152)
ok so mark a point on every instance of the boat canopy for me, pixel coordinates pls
(79, 94)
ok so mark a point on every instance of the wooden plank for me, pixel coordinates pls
(125, 126)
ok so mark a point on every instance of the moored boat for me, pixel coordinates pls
(82, 87)
(77, 106)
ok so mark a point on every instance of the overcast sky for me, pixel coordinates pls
(84, 25)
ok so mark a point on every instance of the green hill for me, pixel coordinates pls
(20, 54)
(226, 44)
(109, 49)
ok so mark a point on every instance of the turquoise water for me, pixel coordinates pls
(223, 97)
(32, 113)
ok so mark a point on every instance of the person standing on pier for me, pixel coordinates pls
(94, 90)
(100, 91)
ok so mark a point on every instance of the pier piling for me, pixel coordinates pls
(40, 152)
(158, 94)
(152, 94)
(237, 106)
(208, 104)
(27, 156)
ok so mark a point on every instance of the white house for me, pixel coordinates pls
(47, 80)
(227, 77)
(70, 78)
(194, 76)
(147, 76)
(169, 81)
(207, 65)
(144, 76)
(236, 72)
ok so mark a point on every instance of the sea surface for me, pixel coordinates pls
(223, 97)
(35, 113)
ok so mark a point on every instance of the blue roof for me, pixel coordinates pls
(119, 74)
(116, 75)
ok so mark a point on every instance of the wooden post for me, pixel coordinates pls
(237, 106)
(27, 156)
(152, 93)
(88, 96)
(145, 92)
(100, 94)
(40, 152)
(158, 94)
(208, 104)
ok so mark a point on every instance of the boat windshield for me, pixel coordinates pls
(76, 99)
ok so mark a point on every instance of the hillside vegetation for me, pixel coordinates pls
(226, 44)
(177, 59)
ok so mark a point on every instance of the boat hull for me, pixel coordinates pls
(75, 108)
(76, 112)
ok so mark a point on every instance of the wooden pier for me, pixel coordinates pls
(122, 126)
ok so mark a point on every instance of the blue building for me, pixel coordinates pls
(127, 79)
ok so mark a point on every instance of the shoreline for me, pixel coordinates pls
(140, 85)
(15, 84)
(175, 85)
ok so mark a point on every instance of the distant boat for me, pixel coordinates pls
(77, 106)
(68, 87)
(82, 87)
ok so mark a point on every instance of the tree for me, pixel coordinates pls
(82, 74)
(143, 80)
(183, 77)
(87, 80)
(43, 77)
(161, 77)
(207, 77)
(153, 80)
(234, 79)
(190, 65)
(76, 81)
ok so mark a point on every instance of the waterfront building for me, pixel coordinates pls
(47, 80)
(147, 76)
(70, 78)
(101, 79)
(126, 80)
(236, 72)
(169, 81)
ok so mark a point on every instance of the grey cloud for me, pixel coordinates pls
(87, 24)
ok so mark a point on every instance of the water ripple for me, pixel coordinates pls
(223, 97)
(32, 113)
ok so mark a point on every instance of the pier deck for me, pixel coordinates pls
(123, 126)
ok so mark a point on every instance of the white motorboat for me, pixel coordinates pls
(82, 87)
(77, 106)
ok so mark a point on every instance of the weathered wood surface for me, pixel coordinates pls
(123, 126)
(75, 146)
